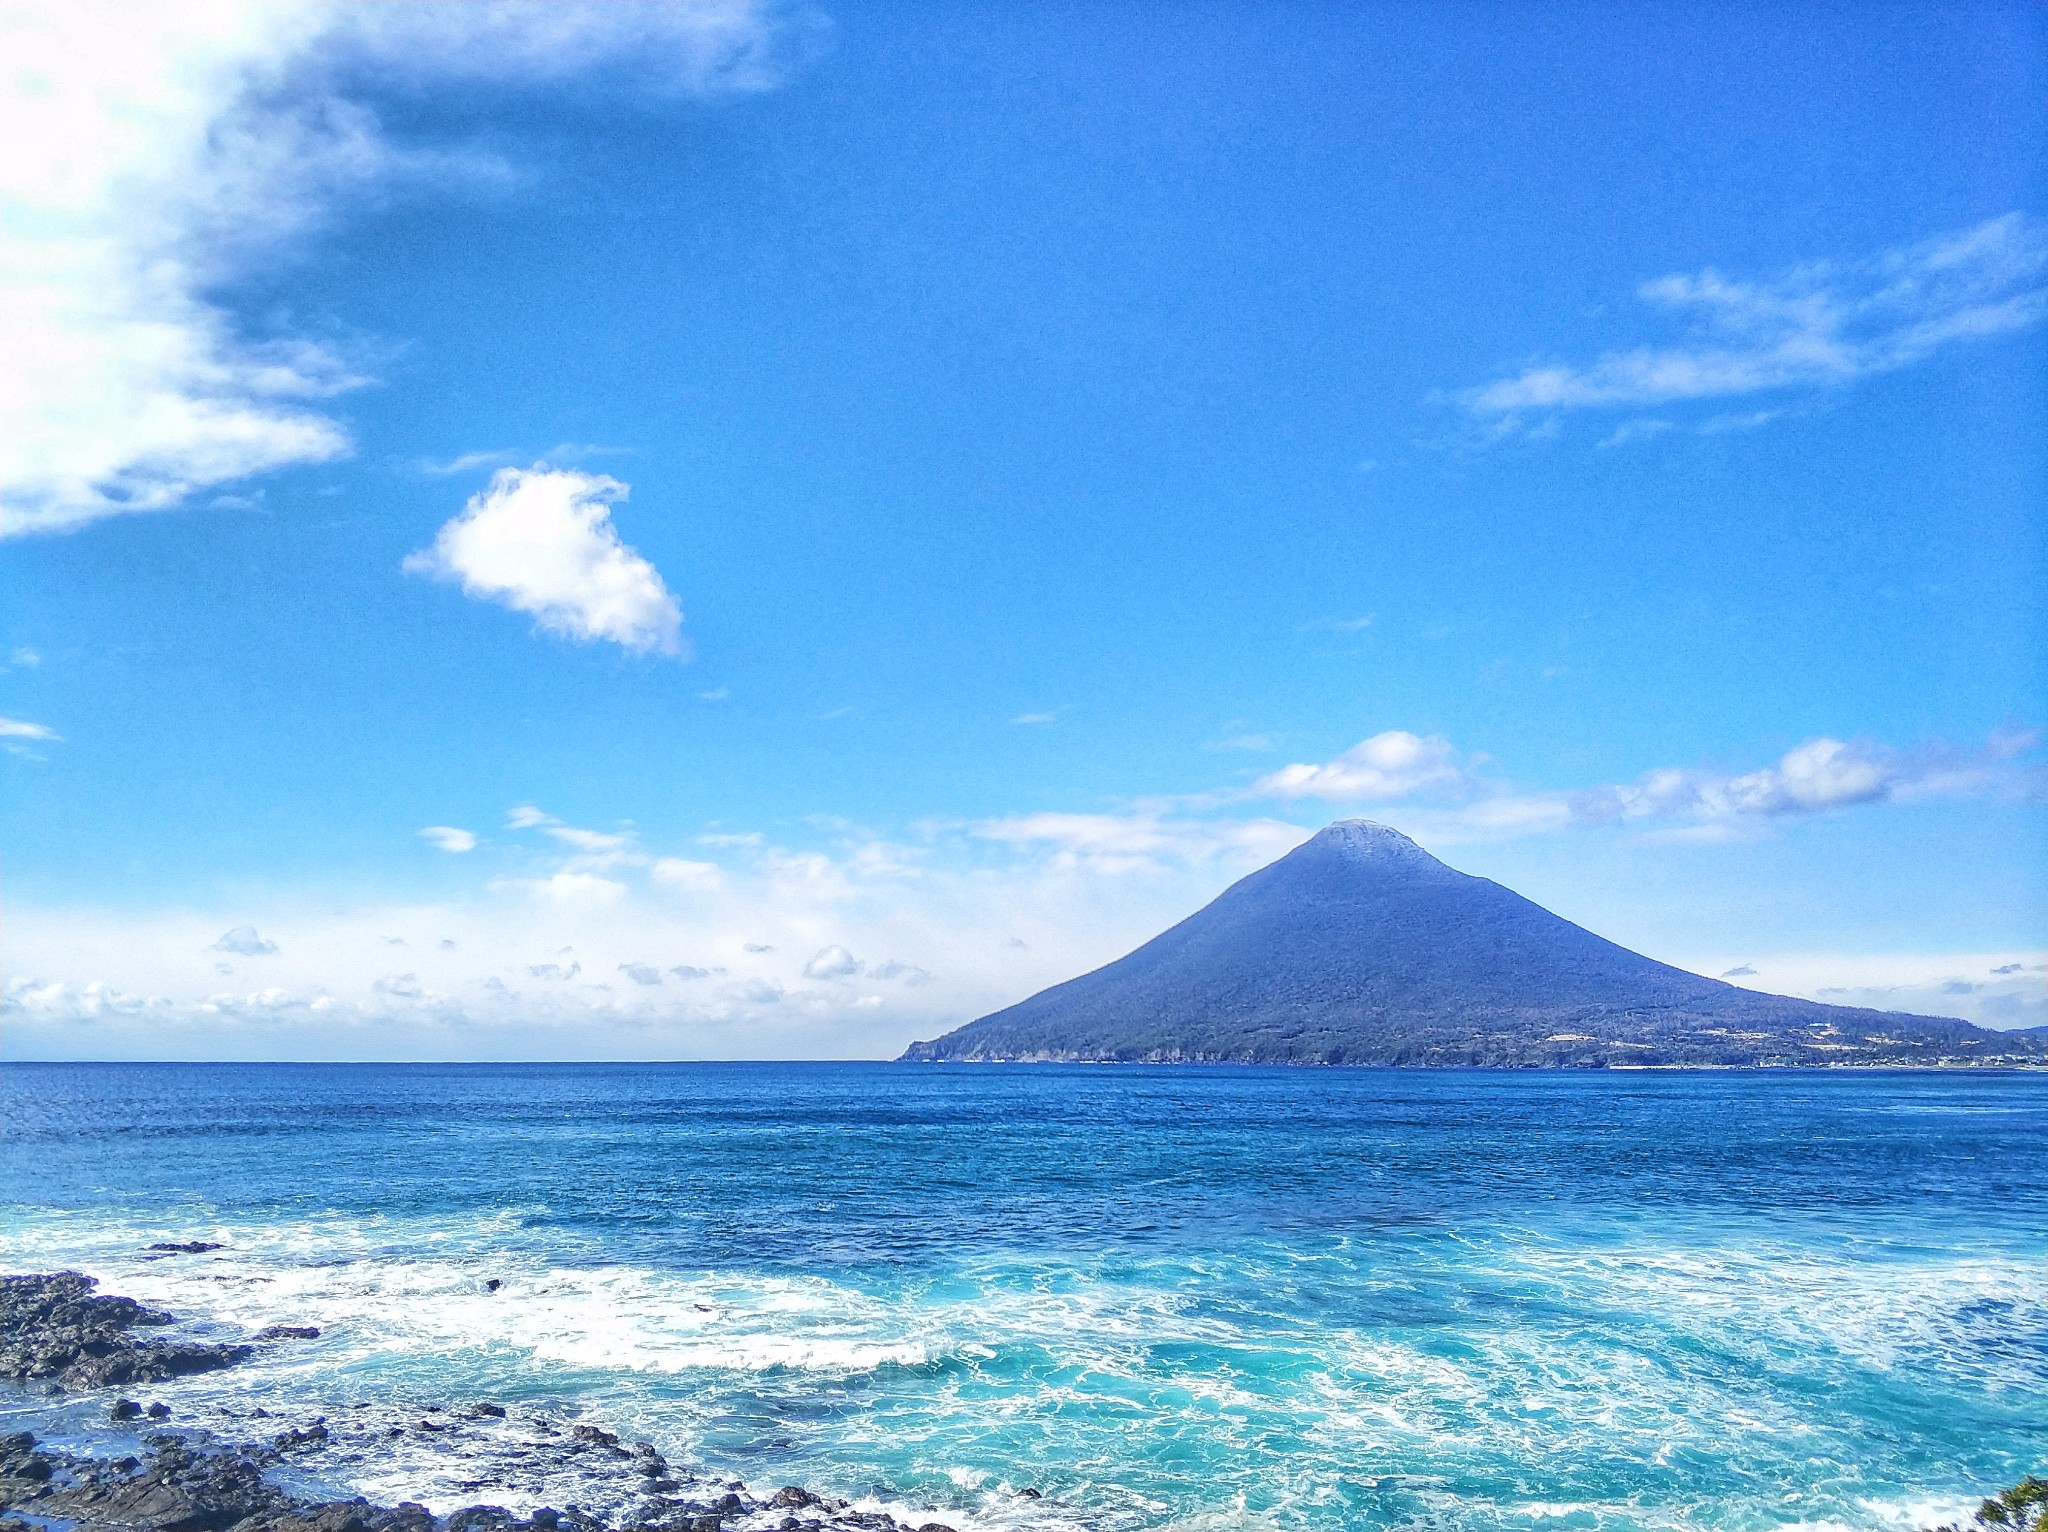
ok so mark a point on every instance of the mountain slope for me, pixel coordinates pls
(1362, 948)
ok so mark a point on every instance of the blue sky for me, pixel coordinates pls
(934, 493)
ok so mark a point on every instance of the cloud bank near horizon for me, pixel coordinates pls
(580, 941)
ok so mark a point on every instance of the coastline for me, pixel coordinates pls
(61, 1338)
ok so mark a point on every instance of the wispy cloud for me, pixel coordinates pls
(557, 456)
(567, 890)
(848, 949)
(541, 541)
(1993, 989)
(1453, 795)
(680, 872)
(15, 728)
(243, 941)
(757, 952)
(834, 962)
(1256, 744)
(1141, 840)
(155, 151)
(1814, 327)
(1382, 769)
(467, 462)
(449, 838)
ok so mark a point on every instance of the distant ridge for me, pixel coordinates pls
(1361, 948)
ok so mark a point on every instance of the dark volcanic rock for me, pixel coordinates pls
(188, 1488)
(179, 1491)
(1362, 948)
(56, 1327)
(288, 1332)
(23, 1470)
(183, 1490)
(186, 1247)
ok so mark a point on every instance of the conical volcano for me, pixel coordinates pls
(1360, 948)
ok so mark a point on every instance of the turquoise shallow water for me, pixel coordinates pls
(1162, 1297)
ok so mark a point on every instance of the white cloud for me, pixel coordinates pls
(833, 962)
(449, 838)
(1812, 778)
(1450, 801)
(603, 854)
(680, 872)
(1036, 718)
(908, 973)
(466, 462)
(1635, 430)
(969, 922)
(586, 889)
(15, 728)
(155, 151)
(591, 842)
(1387, 766)
(1992, 989)
(973, 916)
(554, 457)
(244, 941)
(1815, 326)
(541, 541)
(1816, 777)
(1143, 841)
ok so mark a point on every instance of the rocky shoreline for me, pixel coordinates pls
(59, 1334)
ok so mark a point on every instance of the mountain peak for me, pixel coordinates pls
(1369, 841)
(1359, 947)
(1367, 835)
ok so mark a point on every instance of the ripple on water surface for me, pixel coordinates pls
(1162, 1297)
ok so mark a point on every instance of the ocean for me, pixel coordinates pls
(1159, 1297)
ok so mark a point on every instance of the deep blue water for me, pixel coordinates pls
(1163, 1297)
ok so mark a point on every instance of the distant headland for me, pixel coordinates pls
(1360, 948)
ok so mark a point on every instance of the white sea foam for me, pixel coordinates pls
(1549, 1349)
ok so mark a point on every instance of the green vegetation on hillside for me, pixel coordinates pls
(2023, 1508)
